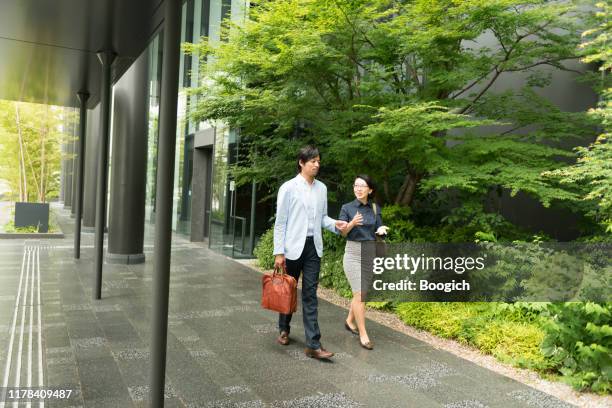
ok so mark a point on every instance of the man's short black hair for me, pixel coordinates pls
(305, 154)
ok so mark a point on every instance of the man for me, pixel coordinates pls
(298, 243)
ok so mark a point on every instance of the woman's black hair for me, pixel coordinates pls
(305, 154)
(369, 182)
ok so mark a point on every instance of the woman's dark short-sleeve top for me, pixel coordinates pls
(371, 222)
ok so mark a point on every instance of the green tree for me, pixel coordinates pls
(30, 140)
(593, 169)
(393, 89)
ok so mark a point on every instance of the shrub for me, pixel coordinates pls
(332, 274)
(578, 342)
(480, 325)
(264, 250)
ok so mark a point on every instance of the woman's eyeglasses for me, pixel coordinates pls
(359, 186)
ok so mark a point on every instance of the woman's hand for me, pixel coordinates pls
(382, 230)
(357, 219)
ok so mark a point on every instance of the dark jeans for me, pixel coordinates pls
(310, 264)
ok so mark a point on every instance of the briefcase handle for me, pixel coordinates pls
(279, 271)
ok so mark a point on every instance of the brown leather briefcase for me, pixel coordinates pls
(279, 292)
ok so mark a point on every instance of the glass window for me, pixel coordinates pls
(155, 61)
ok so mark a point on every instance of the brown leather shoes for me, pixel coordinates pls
(318, 354)
(283, 338)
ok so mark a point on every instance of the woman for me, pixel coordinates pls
(364, 223)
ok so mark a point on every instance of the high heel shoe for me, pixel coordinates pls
(349, 328)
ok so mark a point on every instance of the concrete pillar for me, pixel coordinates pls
(129, 176)
(163, 215)
(91, 170)
(106, 59)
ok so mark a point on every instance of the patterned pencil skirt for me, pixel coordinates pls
(352, 264)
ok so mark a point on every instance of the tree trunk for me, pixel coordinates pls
(23, 185)
(406, 193)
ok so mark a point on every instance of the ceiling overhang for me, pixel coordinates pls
(48, 48)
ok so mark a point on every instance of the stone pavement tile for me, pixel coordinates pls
(168, 403)
(108, 403)
(387, 395)
(59, 374)
(274, 392)
(474, 391)
(83, 329)
(134, 373)
(446, 394)
(483, 376)
(56, 337)
(224, 375)
(388, 359)
(90, 348)
(78, 316)
(120, 333)
(111, 317)
(328, 400)
(187, 376)
(66, 403)
(101, 379)
(529, 397)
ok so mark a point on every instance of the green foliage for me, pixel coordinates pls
(579, 343)
(593, 169)
(264, 250)
(30, 156)
(10, 227)
(515, 341)
(469, 222)
(332, 274)
(384, 87)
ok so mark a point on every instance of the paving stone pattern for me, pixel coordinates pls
(221, 344)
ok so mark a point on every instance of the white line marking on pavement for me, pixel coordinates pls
(20, 348)
(7, 369)
(40, 360)
(31, 334)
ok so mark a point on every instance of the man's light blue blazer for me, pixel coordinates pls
(292, 220)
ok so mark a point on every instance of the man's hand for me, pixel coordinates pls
(341, 225)
(280, 262)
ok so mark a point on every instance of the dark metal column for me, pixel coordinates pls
(83, 96)
(163, 217)
(106, 58)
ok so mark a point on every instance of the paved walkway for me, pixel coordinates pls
(221, 348)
